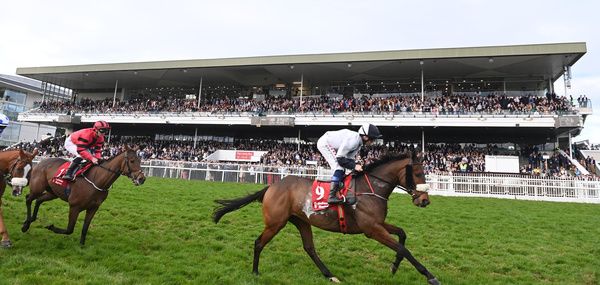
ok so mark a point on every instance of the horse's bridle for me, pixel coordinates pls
(411, 192)
(9, 175)
(129, 174)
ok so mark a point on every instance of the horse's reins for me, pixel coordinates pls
(129, 174)
(409, 191)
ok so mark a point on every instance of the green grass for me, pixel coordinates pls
(161, 233)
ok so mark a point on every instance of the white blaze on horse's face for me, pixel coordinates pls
(423, 187)
(26, 170)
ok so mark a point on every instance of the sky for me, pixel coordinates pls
(56, 33)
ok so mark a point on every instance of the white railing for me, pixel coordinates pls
(244, 173)
(515, 187)
(510, 186)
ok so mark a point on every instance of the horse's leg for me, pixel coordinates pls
(5, 243)
(28, 201)
(89, 215)
(271, 229)
(47, 196)
(309, 246)
(73, 213)
(380, 234)
(401, 238)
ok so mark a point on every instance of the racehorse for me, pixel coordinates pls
(289, 200)
(86, 192)
(15, 166)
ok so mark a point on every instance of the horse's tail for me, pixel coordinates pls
(235, 204)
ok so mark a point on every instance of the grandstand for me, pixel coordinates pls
(471, 97)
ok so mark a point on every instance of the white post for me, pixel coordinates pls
(301, 90)
(109, 134)
(422, 84)
(570, 146)
(423, 141)
(115, 95)
(565, 83)
(299, 140)
(504, 86)
(200, 92)
(44, 92)
(53, 90)
(195, 137)
(550, 85)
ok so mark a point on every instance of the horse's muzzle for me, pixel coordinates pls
(17, 190)
(17, 185)
(139, 180)
(424, 203)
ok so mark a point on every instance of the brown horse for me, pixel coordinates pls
(15, 166)
(289, 200)
(87, 192)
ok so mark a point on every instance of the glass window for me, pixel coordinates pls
(11, 133)
(15, 97)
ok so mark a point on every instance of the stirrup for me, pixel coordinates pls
(69, 178)
(336, 200)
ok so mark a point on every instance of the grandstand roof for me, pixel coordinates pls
(536, 62)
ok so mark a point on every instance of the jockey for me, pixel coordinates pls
(3, 122)
(339, 148)
(85, 144)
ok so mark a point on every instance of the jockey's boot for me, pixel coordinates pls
(333, 198)
(70, 175)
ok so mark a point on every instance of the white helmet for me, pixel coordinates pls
(370, 131)
(4, 121)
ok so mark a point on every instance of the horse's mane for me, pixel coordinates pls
(385, 159)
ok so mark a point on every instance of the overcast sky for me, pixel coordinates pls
(45, 33)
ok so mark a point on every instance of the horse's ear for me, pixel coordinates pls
(126, 147)
(21, 152)
(35, 152)
(414, 155)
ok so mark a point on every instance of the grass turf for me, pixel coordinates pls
(162, 233)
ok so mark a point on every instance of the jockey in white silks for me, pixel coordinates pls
(339, 148)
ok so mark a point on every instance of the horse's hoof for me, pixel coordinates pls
(334, 280)
(433, 281)
(25, 228)
(6, 244)
(394, 269)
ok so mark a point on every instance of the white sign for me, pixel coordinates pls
(502, 163)
(236, 155)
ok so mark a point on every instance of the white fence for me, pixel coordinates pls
(515, 187)
(510, 186)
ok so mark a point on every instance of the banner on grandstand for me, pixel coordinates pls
(236, 155)
(502, 163)
(272, 121)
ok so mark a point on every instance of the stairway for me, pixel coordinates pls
(575, 162)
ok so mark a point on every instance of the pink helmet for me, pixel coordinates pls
(101, 125)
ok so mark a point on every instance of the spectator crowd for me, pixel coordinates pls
(437, 159)
(446, 104)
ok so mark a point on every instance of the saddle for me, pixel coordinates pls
(62, 170)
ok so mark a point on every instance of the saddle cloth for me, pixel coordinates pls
(320, 192)
(62, 170)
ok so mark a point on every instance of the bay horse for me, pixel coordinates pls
(87, 192)
(14, 167)
(289, 200)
